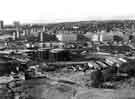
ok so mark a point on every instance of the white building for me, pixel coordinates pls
(95, 37)
(106, 36)
(66, 37)
(100, 36)
(89, 34)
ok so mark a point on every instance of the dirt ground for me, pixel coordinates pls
(58, 87)
(106, 94)
(126, 88)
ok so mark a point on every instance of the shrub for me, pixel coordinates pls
(97, 78)
(128, 68)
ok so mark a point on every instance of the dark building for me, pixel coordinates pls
(59, 55)
(7, 65)
(1, 24)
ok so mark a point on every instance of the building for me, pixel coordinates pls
(16, 24)
(59, 55)
(1, 24)
(92, 36)
(18, 28)
(66, 37)
(100, 36)
(95, 37)
(105, 36)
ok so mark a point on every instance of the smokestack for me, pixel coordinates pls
(42, 34)
(41, 37)
(17, 34)
(14, 35)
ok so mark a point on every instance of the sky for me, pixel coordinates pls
(49, 11)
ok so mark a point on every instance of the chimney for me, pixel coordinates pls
(14, 36)
(41, 36)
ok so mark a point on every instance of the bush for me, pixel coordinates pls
(108, 73)
(128, 68)
(96, 78)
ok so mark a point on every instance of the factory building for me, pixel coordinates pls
(103, 36)
(66, 37)
(95, 37)
(59, 55)
(17, 26)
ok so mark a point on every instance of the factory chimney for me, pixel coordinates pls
(42, 34)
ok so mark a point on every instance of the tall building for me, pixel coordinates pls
(16, 23)
(17, 26)
(1, 24)
(133, 27)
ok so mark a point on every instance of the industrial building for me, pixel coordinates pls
(66, 37)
